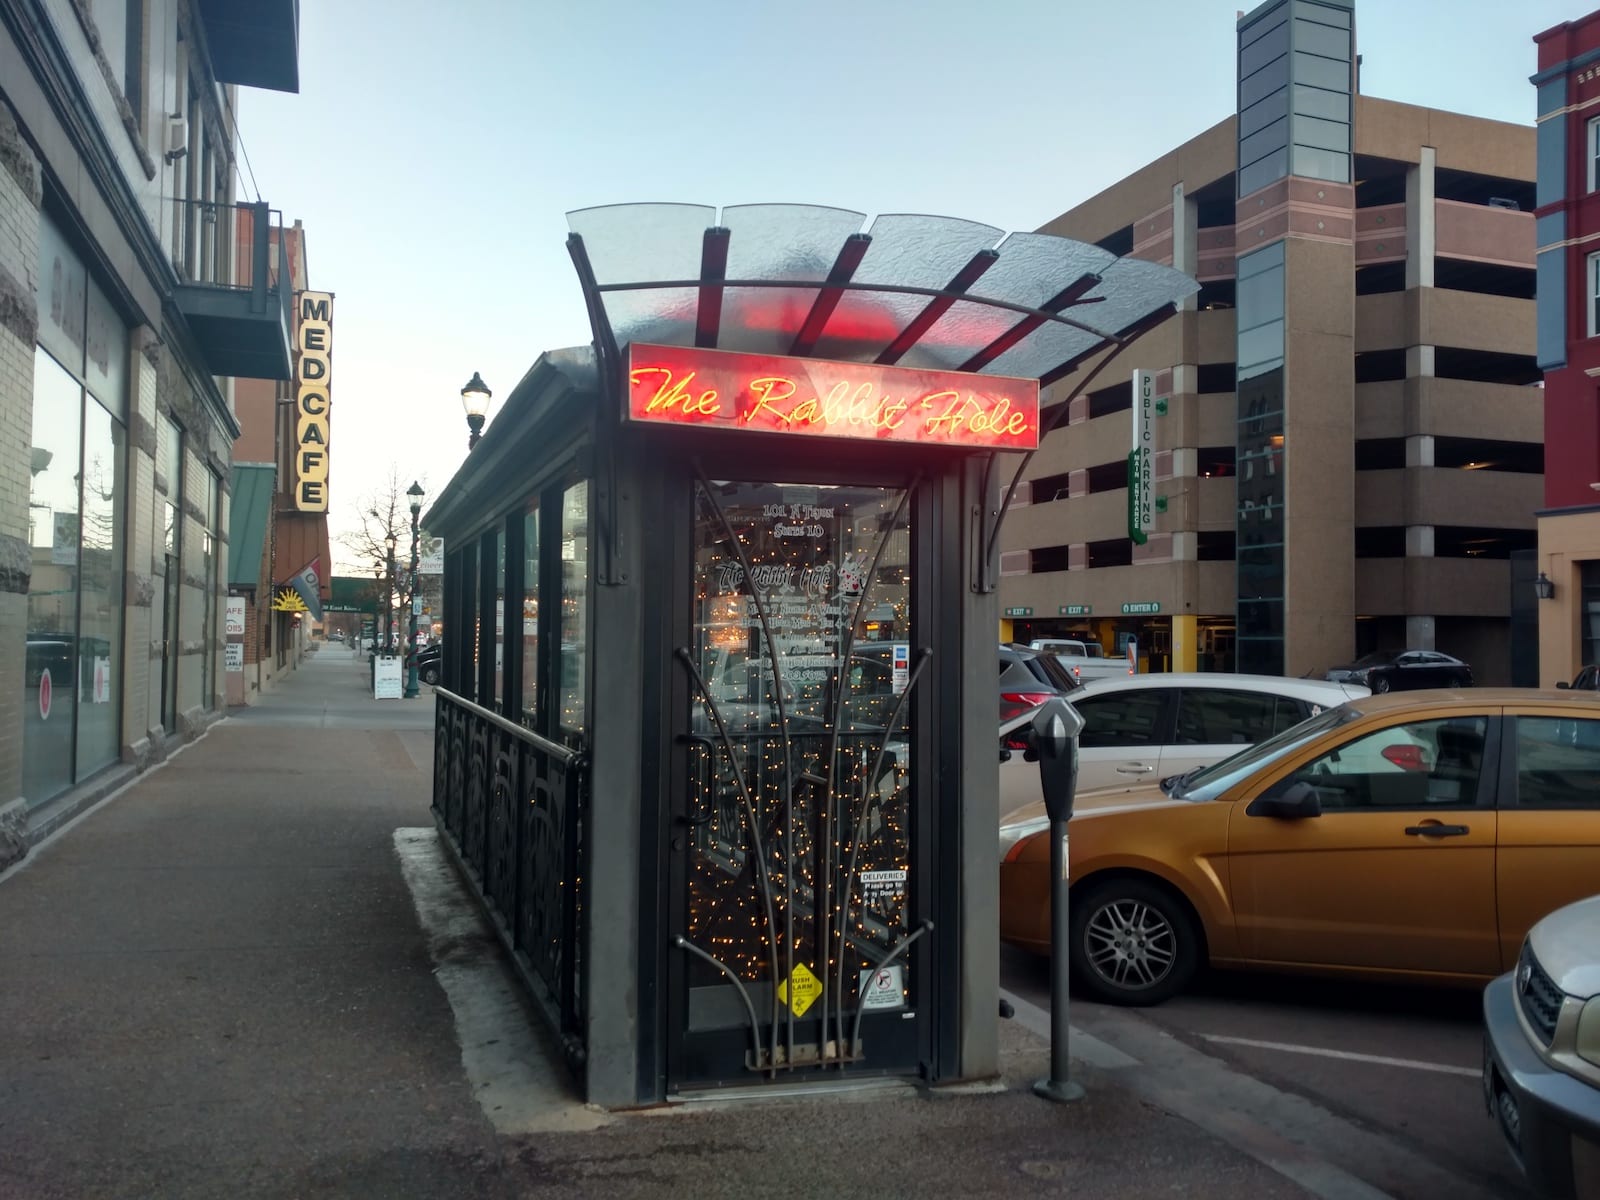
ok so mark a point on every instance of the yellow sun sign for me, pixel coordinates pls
(288, 600)
(803, 986)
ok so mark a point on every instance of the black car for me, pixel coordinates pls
(1404, 670)
(429, 662)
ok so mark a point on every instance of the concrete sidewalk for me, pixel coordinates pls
(216, 984)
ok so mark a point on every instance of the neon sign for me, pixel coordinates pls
(718, 389)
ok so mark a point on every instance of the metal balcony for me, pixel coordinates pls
(254, 43)
(234, 287)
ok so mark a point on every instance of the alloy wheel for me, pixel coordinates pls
(1130, 943)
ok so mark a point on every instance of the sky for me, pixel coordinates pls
(433, 150)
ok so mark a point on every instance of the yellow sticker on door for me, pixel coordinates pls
(800, 990)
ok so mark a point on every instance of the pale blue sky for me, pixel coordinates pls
(434, 149)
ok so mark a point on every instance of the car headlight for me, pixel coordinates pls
(1588, 1039)
(1012, 835)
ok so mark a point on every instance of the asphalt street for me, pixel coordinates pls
(1399, 1062)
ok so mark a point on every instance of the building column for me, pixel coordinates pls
(1420, 224)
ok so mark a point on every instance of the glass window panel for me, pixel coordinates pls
(1259, 145)
(1558, 763)
(1322, 39)
(1264, 49)
(1262, 114)
(1323, 13)
(1214, 717)
(1260, 570)
(1130, 718)
(499, 552)
(106, 369)
(50, 668)
(99, 690)
(778, 241)
(1259, 174)
(1277, 19)
(574, 665)
(63, 299)
(1259, 656)
(1261, 618)
(530, 613)
(1323, 135)
(1261, 260)
(1321, 72)
(1321, 164)
(632, 243)
(1419, 765)
(1260, 299)
(1260, 344)
(1129, 289)
(909, 249)
(1319, 102)
(828, 570)
(1257, 87)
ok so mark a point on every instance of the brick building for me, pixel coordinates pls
(126, 312)
(1348, 429)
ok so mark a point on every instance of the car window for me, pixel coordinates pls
(1129, 718)
(1049, 671)
(1558, 763)
(1421, 764)
(1208, 783)
(1220, 717)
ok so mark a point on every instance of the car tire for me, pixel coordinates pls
(1380, 684)
(430, 674)
(1134, 942)
(1461, 681)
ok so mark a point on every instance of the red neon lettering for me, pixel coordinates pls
(672, 394)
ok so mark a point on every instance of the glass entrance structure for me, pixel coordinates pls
(731, 797)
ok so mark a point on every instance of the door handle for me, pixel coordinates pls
(1134, 769)
(1435, 830)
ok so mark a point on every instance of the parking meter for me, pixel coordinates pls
(1053, 739)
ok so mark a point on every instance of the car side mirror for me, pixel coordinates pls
(1295, 803)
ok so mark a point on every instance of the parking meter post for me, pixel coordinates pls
(1054, 738)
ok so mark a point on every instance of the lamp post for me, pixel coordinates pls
(416, 493)
(377, 581)
(388, 599)
(475, 399)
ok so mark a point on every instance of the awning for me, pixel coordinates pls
(917, 291)
(247, 522)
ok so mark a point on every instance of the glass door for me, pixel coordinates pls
(795, 945)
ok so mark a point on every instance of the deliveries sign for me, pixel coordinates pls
(818, 398)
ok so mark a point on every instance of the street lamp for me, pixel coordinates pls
(388, 598)
(377, 581)
(475, 399)
(416, 493)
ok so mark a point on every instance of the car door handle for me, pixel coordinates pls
(1134, 769)
(1435, 830)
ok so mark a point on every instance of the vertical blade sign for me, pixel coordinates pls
(313, 399)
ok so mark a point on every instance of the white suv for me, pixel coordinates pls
(1143, 728)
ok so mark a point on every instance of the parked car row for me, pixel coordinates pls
(1451, 837)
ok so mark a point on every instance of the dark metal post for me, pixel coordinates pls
(415, 492)
(1053, 739)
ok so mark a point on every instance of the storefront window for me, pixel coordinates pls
(100, 621)
(53, 528)
(530, 613)
(208, 572)
(574, 605)
(802, 637)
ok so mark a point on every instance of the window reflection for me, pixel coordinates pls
(100, 629)
(574, 605)
(530, 613)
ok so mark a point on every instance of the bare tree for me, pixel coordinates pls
(383, 513)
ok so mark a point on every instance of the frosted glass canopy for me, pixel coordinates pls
(912, 290)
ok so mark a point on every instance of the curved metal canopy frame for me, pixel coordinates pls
(937, 293)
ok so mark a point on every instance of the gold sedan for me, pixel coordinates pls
(1414, 836)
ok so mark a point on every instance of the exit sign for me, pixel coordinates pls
(1019, 612)
(1075, 610)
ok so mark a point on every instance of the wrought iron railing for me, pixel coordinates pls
(237, 247)
(511, 806)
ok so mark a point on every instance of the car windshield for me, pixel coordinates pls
(1379, 658)
(1207, 783)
